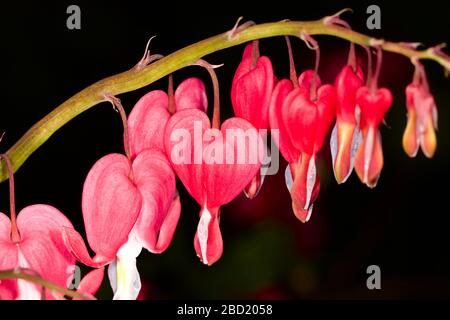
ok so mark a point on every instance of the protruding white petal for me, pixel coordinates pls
(310, 210)
(123, 274)
(112, 275)
(310, 181)
(202, 232)
(356, 141)
(334, 146)
(288, 178)
(26, 289)
(368, 153)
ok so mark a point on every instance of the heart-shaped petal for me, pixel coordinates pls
(252, 88)
(191, 94)
(281, 91)
(300, 118)
(111, 204)
(147, 121)
(347, 84)
(326, 107)
(305, 81)
(220, 163)
(42, 247)
(373, 105)
(243, 152)
(184, 148)
(161, 207)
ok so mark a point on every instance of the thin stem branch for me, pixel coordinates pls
(170, 94)
(15, 235)
(123, 116)
(21, 274)
(292, 70)
(215, 82)
(374, 85)
(136, 78)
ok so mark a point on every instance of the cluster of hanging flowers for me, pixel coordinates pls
(130, 200)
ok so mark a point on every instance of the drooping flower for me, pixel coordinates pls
(126, 208)
(422, 116)
(373, 103)
(307, 121)
(251, 92)
(369, 156)
(34, 241)
(214, 166)
(345, 135)
(137, 191)
(37, 244)
(302, 110)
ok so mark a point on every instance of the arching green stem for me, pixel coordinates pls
(136, 78)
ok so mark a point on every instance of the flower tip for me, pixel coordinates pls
(252, 189)
(302, 214)
(409, 141)
(344, 142)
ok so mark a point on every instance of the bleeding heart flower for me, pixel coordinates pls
(141, 198)
(307, 121)
(148, 119)
(251, 92)
(214, 166)
(34, 242)
(252, 88)
(39, 247)
(126, 207)
(369, 156)
(303, 122)
(345, 135)
(422, 121)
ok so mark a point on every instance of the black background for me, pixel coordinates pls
(401, 225)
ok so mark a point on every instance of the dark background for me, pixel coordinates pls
(401, 225)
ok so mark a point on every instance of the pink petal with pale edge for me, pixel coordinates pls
(111, 204)
(208, 241)
(147, 121)
(191, 94)
(91, 282)
(161, 206)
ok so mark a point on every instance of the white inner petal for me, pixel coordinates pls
(334, 145)
(309, 213)
(368, 153)
(202, 232)
(123, 274)
(27, 290)
(356, 141)
(310, 181)
(288, 178)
